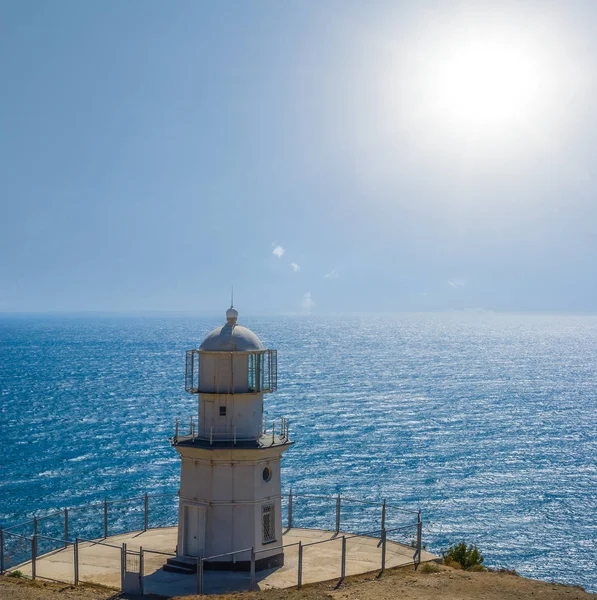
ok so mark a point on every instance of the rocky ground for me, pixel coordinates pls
(443, 583)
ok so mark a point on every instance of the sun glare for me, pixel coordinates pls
(484, 85)
(463, 86)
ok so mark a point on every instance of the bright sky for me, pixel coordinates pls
(319, 156)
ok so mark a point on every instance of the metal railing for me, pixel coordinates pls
(60, 530)
(259, 373)
(278, 433)
(92, 522)
(381, 534)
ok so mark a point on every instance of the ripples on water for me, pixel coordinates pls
(487, 422)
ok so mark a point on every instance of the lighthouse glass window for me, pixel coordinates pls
(269, 528)
(256, 372)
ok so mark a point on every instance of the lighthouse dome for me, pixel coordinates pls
(231, 337)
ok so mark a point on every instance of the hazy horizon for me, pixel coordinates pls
(215, 314)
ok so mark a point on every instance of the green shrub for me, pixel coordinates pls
(466, 557)
(430, 567)
(452, 563)
(16, 573)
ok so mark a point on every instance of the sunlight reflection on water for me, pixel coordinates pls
(487, 422)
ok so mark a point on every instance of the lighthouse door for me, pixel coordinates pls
(194, 530)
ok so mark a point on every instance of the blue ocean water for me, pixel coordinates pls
(486, 422)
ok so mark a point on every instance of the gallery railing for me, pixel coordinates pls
(267, 434)
(259, 372)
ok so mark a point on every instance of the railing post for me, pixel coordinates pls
(300, 566)
(141, 569)
(66, 527)
(199, 576)
(383, 550)
(126, 553)
(191, 426)
(383, 515)
(146, 512)
(290, 509)
(105, 518)
(122, 566)
(252, 581)
(34, 526)
(1, 551)
(338, 506)
(76, 559)
(34, 556)
(343, 568)
(176, 432)
(419, 540)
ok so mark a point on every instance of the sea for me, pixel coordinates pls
(485, 422)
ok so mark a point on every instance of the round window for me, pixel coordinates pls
(267, 474)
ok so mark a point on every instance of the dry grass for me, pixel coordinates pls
(433, 582)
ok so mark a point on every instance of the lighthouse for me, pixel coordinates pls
(230, 487)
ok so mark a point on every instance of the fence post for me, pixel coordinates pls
(146, 508)
(34, 526)
(1, 551)
(76, 558)
(300, 566)
(34, 556)
(419, 539)
(338, 514)
(122, 565)
(383, 515)
(141, 570)
(105, 518)
(343, 569)
(252, 582)
(290, 509)
(66, 527)
(199, 576)
(383, 551)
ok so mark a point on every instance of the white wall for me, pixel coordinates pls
(229, 483)
(243, 411)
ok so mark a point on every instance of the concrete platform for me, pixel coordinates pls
(99, 562)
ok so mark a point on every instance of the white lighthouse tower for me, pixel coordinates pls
(230, 488)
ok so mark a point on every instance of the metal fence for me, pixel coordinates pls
(78, 532)
(339, 512)
(343, 551)
(371, 523)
